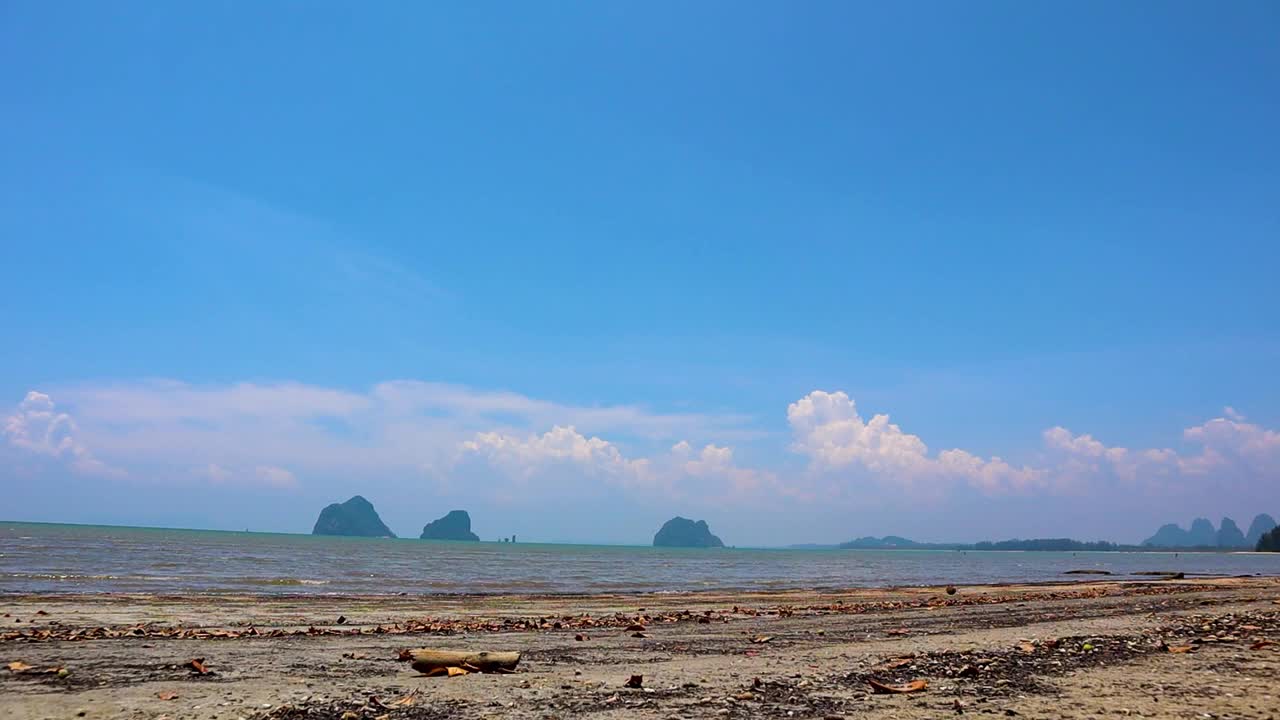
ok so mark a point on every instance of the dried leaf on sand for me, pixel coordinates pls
(892, 689)
(450, 671)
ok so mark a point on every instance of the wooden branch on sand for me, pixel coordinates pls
(425, 660)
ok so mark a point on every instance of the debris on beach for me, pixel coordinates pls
(433, 662)
(198, 667)
(452, 626)
(447, 671)
(761, 639)
(167, 695)
(17, 667)
(887, 688)
(896, 663)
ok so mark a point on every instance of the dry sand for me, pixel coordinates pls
(1081, 650)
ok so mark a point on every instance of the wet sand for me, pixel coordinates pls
(1088, 649)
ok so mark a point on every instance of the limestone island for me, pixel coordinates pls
(454, 526)
(683, 532)
(355, 517)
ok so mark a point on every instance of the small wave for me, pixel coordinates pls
(279, 581)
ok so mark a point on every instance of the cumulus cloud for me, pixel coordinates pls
(269, 435)
(406, 428)
(37, 427)
(828, 430)
(564, 459)
(842, 447)
(559, 445)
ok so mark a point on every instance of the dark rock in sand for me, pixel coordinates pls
(1261, 525)
(355, 517)
(1229, 535)
(454, 526)
(682, 532)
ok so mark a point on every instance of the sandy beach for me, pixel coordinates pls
(1166, 648)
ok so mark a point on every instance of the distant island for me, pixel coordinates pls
(1260, 526)
(683, 532)
(893, 542)
(1269, 542)
(355, 517)
(1203, 536)
(454, 526)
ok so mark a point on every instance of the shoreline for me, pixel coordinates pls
(1087, 577)
(1077, 648)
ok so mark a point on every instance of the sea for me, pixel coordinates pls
(51, 558)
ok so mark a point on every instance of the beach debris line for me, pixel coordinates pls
(450, 626)
(432, 662)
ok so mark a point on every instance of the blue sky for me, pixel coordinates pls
(258, 259)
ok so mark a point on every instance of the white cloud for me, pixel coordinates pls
(260, 476)
(407, 428)
(829, 431)
(37, 427)
(275, 476)
(560, 445)
(1230, 442)
(269, 434)
(563, 461)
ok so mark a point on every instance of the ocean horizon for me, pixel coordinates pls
(73, 558)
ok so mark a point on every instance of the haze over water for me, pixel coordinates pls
(77, 558)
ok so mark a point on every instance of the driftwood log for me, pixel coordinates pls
(424, 660)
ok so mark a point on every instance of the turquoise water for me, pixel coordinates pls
(84, 558)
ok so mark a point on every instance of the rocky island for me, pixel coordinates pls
(683, 532)
(1202, 534)
(355, 517)
(454, 526)
(1269, 541)
(1261, 525)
